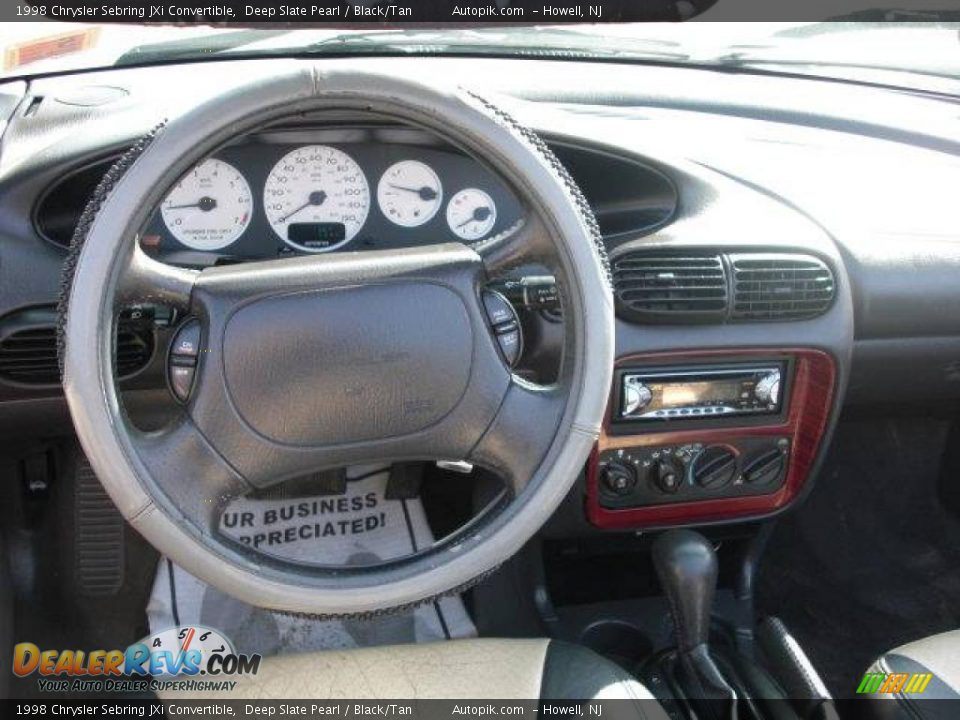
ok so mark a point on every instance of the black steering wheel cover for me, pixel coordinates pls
(79, 237)
(579, 428)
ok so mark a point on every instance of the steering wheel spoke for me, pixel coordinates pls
(525, 426)
(192, 477)
(145, 280)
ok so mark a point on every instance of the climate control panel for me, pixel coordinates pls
(630, 477)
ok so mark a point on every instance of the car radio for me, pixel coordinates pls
(702, 392)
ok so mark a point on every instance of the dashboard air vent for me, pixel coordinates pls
(28, 348)
(30, 356)
(134, 349)
(670, 288)
(780, 287)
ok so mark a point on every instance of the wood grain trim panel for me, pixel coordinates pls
(810, 401)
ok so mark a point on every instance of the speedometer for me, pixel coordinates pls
(316, 198)
(209, 207)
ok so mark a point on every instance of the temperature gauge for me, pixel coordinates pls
(471, 214)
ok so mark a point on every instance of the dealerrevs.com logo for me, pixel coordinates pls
(187, 658)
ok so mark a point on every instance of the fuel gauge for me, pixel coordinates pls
(409, 193)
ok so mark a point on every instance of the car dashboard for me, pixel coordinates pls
(730, 182)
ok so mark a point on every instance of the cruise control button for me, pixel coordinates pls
(181, 380)
(187, 340)
(509, 342)
(499, 310)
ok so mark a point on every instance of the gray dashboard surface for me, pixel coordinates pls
(863, 176)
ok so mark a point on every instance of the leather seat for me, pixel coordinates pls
(458, 669)
(938, 655)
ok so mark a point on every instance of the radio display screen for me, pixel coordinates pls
(706, 392)
(699, 393)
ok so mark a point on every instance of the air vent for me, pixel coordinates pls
(780, 287)
(28, 348)
(30, 356)
(670, 289)
(134, 348)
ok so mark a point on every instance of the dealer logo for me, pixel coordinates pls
(175, 653)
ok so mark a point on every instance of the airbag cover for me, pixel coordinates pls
(348, 364)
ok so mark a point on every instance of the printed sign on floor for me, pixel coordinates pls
(360, 527)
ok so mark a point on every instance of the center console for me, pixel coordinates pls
(708, 436)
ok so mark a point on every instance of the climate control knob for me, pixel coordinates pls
(618, 478)
(714, 467)
(667, 476)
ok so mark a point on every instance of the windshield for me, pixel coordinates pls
(924, 55)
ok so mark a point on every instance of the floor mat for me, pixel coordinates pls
(871, 559)
(360, 527)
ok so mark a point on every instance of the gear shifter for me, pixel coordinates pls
(687, 567)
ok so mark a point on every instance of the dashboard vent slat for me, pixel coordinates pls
(674, 288)
(780, 287)
(28, 349)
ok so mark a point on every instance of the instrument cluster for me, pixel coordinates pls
(327, 190)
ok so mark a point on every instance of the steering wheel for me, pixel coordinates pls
(339, 359)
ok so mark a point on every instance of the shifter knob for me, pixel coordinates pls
(687, 567)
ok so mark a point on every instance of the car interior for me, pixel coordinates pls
(486, 376)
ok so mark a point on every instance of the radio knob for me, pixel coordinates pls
(768, 388)
(636, 396)
(618, 478)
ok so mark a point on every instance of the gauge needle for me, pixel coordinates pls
(205, 203)
(479, 215)
(317, 197)
(425, 193)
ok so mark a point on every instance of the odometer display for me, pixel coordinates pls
(316, 186)
(318, 236)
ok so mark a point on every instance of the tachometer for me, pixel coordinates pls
(409, 193)
(471, 213)
(209, 207)
(316, 198)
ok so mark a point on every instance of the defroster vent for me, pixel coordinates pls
(670, 288)
(780, 287)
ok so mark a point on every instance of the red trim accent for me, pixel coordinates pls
(810, 403)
